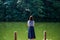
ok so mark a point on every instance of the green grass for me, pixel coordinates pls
(7, 30)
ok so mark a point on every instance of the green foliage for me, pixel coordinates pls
(42, 10)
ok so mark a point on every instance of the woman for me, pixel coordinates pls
(31, 32)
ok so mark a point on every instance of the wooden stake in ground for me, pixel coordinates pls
(15, 35)
(44, 35)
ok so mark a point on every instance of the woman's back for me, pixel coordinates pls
(30, 23)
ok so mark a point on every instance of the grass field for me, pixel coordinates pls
(7, 30)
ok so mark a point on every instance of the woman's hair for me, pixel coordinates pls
(31, 18)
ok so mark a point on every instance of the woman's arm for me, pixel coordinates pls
(33, 23)
(27, 23)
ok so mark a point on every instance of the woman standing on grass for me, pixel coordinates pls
(31, 32)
